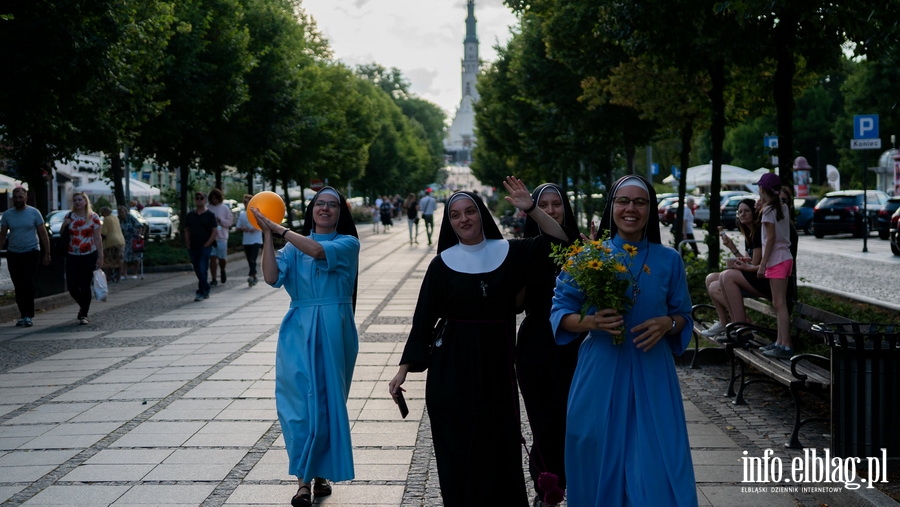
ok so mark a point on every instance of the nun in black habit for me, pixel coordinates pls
(544, 368)
(471, 394)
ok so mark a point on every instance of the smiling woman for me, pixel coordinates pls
(317, 341)
(470, 290)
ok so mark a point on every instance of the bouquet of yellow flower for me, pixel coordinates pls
(600, 273)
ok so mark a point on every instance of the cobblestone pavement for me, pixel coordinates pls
(164, 401)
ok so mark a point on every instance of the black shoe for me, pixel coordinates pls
(321, 487)
(224, 277)
(213, 283)
(302, 499)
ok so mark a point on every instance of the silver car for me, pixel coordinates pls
(162, 220)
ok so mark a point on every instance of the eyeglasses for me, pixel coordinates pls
(327, 204)
(743, 211)
(639, 202)
(199, 198)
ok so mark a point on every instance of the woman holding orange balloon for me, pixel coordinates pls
(317, 341)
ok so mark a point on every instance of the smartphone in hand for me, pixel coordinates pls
(401, 403)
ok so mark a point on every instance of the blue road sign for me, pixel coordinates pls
(676, 172)
(865, 126)
(770, 142)
(654, 168)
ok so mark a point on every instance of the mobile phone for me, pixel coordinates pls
(401, 404)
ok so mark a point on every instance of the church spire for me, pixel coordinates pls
(470, 23)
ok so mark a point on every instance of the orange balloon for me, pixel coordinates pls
(270, 205)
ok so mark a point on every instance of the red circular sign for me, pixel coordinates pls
(316, 184)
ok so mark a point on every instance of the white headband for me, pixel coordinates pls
(329, 191)
(548, 187)
(633, 182)
(458, 196)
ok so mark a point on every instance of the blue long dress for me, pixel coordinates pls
(626, 436)
(317, 347)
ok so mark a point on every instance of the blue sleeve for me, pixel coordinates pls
(342, 254)
(567, 298)
(284, 259)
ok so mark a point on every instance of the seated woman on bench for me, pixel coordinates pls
(743, 272)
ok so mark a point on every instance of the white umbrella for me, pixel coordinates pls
(104, 187)
(701, 176)
(7, 183)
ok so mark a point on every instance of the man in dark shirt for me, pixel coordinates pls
(199, 235)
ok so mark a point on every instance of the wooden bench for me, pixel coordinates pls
(702, 313)
(800, 373)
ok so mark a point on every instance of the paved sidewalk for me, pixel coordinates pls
(166, 401)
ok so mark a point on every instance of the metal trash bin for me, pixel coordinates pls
(865, 388)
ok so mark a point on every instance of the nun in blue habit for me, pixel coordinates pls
(626, 436)
(317, 341)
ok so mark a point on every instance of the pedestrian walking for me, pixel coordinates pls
(626, 435)
(113, 244)
(411, 205)
(251, 239)
(219, 251)
(470, 289)
(23, 226)
(131, 230)
(317, 340)
(427, 205)
(200, 234)
(84, 253)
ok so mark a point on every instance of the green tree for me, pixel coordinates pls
(59, 53)
(204, 72)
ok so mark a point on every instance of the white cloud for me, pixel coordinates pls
(422, 38)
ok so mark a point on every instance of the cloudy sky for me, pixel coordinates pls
(422, 38)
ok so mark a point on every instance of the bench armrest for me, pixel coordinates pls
(813, 358)
(742, 333)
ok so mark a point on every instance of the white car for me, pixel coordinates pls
(162, 220)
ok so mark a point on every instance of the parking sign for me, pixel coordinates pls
(865, 126)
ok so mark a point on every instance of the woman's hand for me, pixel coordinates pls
(265, 225)
(398, 380)
(593, 237)
(519, 196)
(608, 320)
(651, 331)
(761, 272)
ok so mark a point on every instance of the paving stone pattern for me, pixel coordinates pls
(164, 401)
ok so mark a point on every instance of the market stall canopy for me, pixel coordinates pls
(701, 176)
(104, 187)
(7, 184)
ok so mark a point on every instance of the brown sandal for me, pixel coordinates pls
(302, 499)
(321, 487)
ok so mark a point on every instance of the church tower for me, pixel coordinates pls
(461, 136)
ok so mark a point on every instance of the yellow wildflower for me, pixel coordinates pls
(646, 269)
(594, 264)
(631, 249)
(620, 268)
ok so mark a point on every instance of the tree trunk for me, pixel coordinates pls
(116, 172)
(783, 93)
(717, 136)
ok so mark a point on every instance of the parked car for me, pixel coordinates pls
(883, 218)
(663, 206)
(804, 207)
(728, 210)
(53, 221)
(895, 232)
(701, 211)
(841, 212)
(137, 216)
(162, 220)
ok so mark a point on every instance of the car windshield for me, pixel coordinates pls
(838, 201)
(154, 213)
(55, 217)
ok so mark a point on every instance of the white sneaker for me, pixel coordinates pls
(714, 330)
